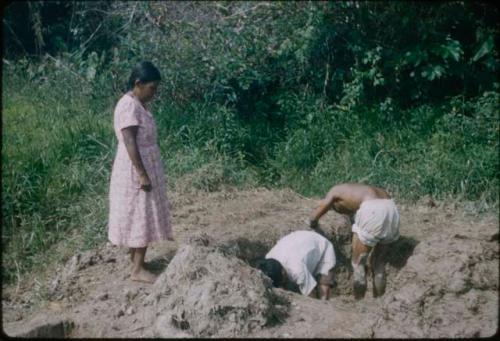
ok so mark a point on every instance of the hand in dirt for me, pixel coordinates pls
(145, 183)
(358, 290)
(313, 224)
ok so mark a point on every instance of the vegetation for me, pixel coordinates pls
(278, 94)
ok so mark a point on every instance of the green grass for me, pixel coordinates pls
(430, 151)
(58, 147)
(55, 158)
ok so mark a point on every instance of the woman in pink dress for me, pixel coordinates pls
(139, 212)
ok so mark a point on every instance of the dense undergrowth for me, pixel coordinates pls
(302, 102)
(58, 148)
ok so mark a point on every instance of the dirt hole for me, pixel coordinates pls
(251, 252)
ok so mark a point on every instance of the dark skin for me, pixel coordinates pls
(130, 140)
(321, 291)
(144, 92)
(346, 199)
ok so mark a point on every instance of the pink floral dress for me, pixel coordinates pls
(136, 217)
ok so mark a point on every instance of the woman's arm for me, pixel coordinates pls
(130, 140)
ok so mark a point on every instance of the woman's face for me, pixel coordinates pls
(145, 91)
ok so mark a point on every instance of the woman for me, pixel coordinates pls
(139, 210)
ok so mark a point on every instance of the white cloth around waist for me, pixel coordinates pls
(377, 221)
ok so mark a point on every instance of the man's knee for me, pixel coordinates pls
(359, 275)
(379, 282)
(361, 260)
(359, 267)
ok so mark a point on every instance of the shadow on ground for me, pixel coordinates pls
(158, 264)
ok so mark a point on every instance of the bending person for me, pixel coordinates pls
(304, 257)
(375, 224)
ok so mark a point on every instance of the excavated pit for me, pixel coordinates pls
(442, 280)
(251, 251)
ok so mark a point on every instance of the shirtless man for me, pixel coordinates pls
(375, 224)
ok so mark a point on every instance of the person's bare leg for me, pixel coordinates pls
(131, 251)
(359, 260)
(139, 273)
(378, 267)
(324, 291)
(314, 292)
(324, 285)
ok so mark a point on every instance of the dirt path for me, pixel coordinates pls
(442, 274)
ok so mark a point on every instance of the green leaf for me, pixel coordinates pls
(485, 48)
(451, 49)
(432, 72)
(415, 57)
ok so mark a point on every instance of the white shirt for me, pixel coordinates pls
(304, 254)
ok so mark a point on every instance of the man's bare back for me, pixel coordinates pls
(346, 199)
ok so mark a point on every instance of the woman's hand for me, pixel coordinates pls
(145, 183)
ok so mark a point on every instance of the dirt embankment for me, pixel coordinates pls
(442, 278)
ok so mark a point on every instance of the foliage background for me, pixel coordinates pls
(303, 94)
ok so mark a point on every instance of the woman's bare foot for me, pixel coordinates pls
(143, 276)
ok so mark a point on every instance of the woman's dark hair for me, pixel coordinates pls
(144, 72)
(272, 269)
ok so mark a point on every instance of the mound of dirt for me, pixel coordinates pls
(65, 284)
(444, 291)
(205, 292)
(442, 278)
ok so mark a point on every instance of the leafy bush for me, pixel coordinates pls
(292, 94)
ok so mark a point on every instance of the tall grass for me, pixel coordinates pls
(56, 156)
(447, 150)
(58, 147)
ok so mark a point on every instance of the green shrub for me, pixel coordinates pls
(281, 94)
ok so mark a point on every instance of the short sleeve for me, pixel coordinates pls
(127, 115)
(328, 260)
(304, 279)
